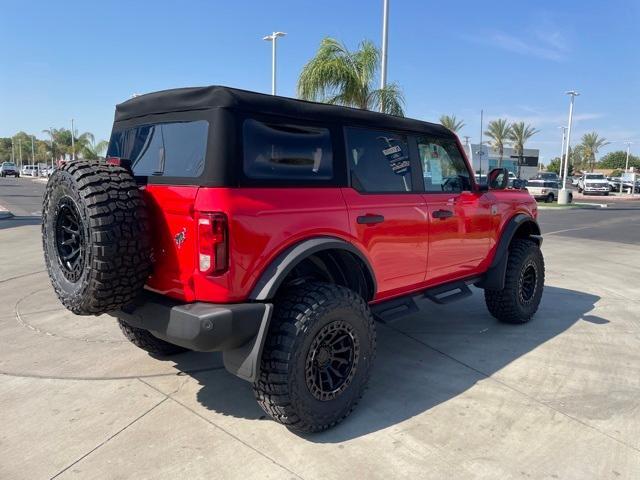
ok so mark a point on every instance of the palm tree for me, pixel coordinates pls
(451, 122)
(590, 145)
(499, 132)
(342, 77)
(519, 135)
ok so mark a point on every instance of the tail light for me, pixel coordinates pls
(213, 243)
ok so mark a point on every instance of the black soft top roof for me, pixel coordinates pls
(204, 98)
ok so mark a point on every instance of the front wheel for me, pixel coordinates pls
(549, 198)
(317, 357)
(518, 301)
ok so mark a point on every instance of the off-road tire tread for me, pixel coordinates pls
(291, 317)
(146, 341)
(502, 304)
(119, 243)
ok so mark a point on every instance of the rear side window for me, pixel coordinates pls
(378, 161)
(163, 149)
(286, 151)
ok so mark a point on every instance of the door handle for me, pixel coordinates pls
(442, 214)
(370, 219)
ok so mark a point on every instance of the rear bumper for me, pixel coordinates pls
(203, 327)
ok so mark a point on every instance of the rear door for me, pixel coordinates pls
(460, 219)
(168, 155)
(386, 214)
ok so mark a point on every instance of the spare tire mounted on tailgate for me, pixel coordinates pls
(95, 237)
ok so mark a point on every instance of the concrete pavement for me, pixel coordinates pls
(453, 393)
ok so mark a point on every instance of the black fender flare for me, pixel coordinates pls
(273, 276)
(493, 279)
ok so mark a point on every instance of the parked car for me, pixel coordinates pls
(9, 169)
(29, 170)
(575, 181)
(546, 190)
(281, 228)
(549, 176)
(593, 183)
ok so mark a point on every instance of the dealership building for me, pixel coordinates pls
(484, 157)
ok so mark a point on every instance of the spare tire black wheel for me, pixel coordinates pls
(95, 236)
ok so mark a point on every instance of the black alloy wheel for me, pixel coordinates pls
(70, 239)
(332, 361)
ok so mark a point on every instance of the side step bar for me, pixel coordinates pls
(391, 310)
(448, 293)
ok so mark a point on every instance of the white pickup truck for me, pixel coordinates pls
(593, 183)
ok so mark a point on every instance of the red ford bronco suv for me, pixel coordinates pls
(275, 230)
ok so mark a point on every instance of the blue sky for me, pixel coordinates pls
(514, 59)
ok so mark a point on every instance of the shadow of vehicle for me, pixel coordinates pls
(423, 360)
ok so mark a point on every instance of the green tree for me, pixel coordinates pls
(499, 132)
(519, 134)
(590, 145)
(554, 166)
(618, 160)
(451, 122)
(339, 76)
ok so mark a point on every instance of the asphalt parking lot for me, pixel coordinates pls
(453, 393)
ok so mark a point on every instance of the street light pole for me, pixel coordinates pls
(33, 150)
(563, 196)
(385, 36)
(73, 144)
(626, 167)
(564, 133)
(273, 38)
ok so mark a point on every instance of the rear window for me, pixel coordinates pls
(286, 151)
(175, 149)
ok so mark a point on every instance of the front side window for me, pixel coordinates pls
(378, 161)
(286, 152)
(175, 149)
(443, 168)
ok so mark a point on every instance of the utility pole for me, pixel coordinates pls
(52, 151)
(20, 149)
(273, 38)
(33, 150)
(563, 196)
(564, 132)
(13, 152)
(73, 144)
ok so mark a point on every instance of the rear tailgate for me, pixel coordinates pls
(173, 239)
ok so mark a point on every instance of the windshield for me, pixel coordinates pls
(595, 176)
(8, 164)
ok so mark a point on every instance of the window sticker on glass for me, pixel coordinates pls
(398, 160)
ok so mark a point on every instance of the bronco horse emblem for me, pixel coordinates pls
(180, 237)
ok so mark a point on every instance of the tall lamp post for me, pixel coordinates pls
(564, 133)
(626, 167)
(563, 195)
(273, 38)
(73, 144)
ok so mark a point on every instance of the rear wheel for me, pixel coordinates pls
(518, 301)
(146, 341)
(549, 198)
(317, 358)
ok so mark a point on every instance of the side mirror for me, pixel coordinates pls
(498, 179)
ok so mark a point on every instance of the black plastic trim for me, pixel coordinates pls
(493, 279)
(237, 330)
(274, 275)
